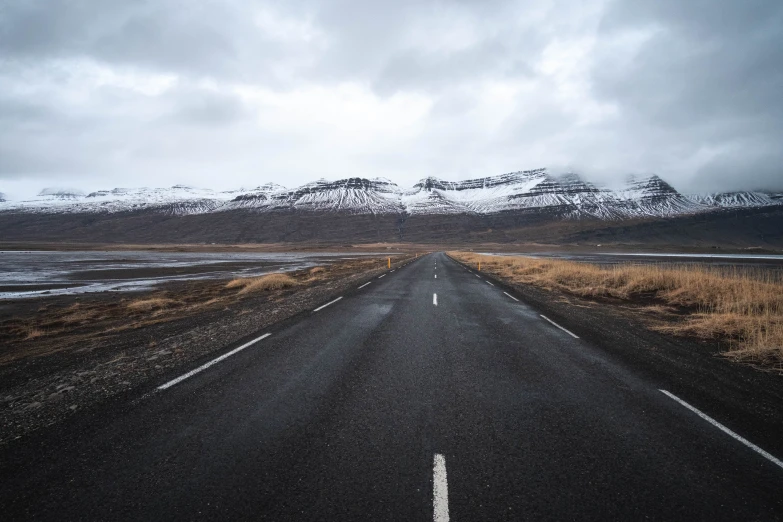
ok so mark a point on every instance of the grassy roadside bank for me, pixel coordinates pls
(743, 310)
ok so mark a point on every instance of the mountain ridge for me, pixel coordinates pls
(566, 196)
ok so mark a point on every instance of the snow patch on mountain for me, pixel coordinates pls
(736, 199)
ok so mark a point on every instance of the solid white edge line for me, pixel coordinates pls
(566, 331)
(327, 304)
(435, 299)
(440, 490)
(511, 296)
(490, 284)
(365, 284)
(724, 429)
(204, 366)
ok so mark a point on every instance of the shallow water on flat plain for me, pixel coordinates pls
(31, 274)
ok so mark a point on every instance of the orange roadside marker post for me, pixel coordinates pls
(389, 262)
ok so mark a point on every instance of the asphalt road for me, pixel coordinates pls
(415, 397)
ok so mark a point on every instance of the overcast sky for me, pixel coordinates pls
(223, 94)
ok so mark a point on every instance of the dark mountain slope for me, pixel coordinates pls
(743, 227)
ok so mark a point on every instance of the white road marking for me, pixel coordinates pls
(384, 275)
(327, 304)
(724, 429)
(435, 299)
(511, 296)
(490, 284)
(566, 331)
(440, 489)
(392, 271)
(365, 284)
(436, 276)
(477, 276)
(210, 363)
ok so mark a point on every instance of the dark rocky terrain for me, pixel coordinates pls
(750, 227)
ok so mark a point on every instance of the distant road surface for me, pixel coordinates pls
(414, 397)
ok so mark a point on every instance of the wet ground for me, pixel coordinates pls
(31, 274)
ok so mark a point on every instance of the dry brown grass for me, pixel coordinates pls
(150, 304)
(33, 333)
(317, 270)
(743, 308)
(263, 283)
(77, 314)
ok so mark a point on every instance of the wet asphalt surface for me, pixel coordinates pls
(338, 414)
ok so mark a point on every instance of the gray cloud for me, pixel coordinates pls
(170, 91)
(709, 78)
(200, 107)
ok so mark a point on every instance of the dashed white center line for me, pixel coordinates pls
(477, 276)
(384, 275)
(435, 299)
(724, 429)
(210, 363)
(365, 284)
(440, 489)
(327, 304)
(490, 284)
(436, 276)
(566, 331)
(392, 271)
(511, 296)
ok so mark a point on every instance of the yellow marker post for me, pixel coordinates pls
(389, 262)
(479, 266)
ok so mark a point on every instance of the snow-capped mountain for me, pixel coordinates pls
(178, 199)
(352, 195)
(567, 196)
